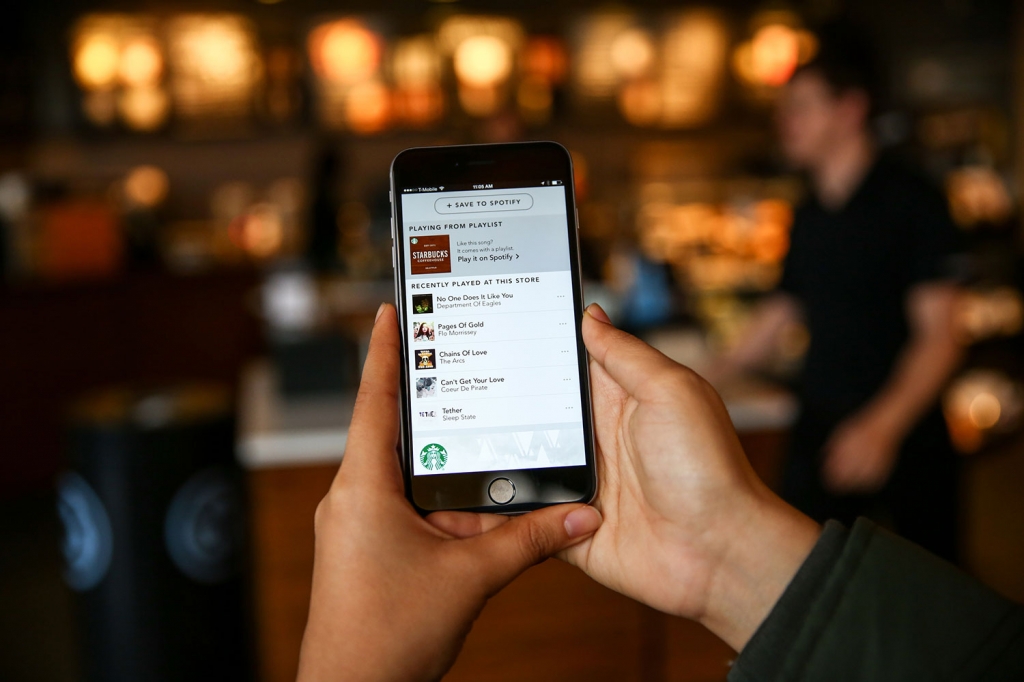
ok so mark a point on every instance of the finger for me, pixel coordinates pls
(627, 359)
(373, 432)
(526, 540)
(465, 524)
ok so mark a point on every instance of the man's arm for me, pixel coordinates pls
(760, 338)
(864, 448)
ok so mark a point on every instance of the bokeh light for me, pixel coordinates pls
(146, 186)
(345, 51)
(215, 64)
(144, 108)
(977, 195)
(483, 61)
(632, 53)
(985, 410)
(545, 57)
(778, 45)
(368, 107)
(696, 43)
(416, 63)
(141, 62)
(594, 71)
(96, 59)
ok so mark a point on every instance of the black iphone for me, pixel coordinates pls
(496, 410)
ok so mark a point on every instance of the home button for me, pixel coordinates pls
(501, 490)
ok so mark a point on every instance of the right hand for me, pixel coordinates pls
(689, 529)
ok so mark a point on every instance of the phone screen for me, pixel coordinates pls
(494, 373)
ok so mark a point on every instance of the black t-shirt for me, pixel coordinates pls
(852, 268)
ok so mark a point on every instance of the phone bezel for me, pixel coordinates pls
(466, 165)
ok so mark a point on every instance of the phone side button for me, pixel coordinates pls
(392, 255)
(501, 491)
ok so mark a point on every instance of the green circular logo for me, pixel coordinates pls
(433, 457)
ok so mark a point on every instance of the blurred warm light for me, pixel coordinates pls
(459, 28)
(416, 63)
(418, 107)
(594, 71)
(983, 315)
(632, 53)
(715, 246)
(368, 107)
(112, 50)
(774, 53)
(144, 108)
(483, 61)
(96, 61)
(146, 186)
(345, 51)
(215, 64)
(640, 102)
(985, 410)
(580, 174)
(977, 195)
(141, 62)
(696, 44)
(777, 47)
(769, 235)
(216, 50)
(480, 102)
(544, 57)
(100, 107)
(978, 403)
(259, 231)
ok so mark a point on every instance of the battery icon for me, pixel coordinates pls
(556, 182)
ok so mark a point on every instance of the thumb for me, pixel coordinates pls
(513, 547)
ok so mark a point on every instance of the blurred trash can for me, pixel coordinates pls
(155, 542)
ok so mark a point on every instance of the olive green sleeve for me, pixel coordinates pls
(869, 606)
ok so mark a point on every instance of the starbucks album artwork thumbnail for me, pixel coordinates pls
(430, 255)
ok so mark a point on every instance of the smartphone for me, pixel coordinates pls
(495, 386)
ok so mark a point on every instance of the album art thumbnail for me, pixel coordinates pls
(422, 304)
(426, 387)
(425, 359)
(430, 255)
(422, 331)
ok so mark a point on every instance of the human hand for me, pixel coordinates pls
(688, 527)
(860, 454)
(395, 595)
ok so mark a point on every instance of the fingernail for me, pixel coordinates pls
(582, 521)
(598, 313)
(379, 311)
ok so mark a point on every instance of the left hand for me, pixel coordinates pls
(394, 595)
(861, 454)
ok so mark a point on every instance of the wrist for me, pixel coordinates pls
(768, 541)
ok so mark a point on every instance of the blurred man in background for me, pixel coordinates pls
(868, 273)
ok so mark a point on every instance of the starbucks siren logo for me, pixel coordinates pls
(433, 457)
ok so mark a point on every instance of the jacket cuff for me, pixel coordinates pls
(766, 651)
